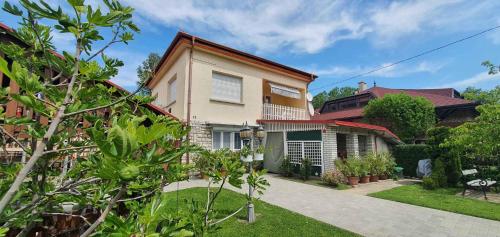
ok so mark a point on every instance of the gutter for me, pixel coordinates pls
(190, 77)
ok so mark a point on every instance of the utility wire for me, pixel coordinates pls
(407, 59)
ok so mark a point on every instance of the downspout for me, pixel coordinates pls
(188, 120)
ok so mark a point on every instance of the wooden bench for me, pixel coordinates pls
(476, 183)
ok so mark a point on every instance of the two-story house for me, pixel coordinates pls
(216, 89)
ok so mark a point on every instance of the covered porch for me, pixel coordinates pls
(322, 141)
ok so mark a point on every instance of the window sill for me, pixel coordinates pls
(226, 102)
(170, 104)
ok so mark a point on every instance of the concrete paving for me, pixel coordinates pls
(366, 215)
(381, 185)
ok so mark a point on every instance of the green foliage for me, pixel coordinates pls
(305, 168)
(334, 93)
(436, 136)
(245, 151)
(482, 96)
(349, 167)
(406, 116)
(439, 174)
(260, 149)
(333, 178)
(286, 167)
(147, 68)
(407, 156)
(477, 140)
(429, 183)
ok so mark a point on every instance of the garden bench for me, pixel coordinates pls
(476, 183)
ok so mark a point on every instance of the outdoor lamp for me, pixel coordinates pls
(260, 132)
(246, 132)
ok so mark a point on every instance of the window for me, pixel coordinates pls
(226, 88)
(362, 145)
(172, 91)
(224, 139)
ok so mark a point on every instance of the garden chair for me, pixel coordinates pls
(475, 183)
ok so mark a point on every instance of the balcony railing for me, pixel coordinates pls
(281, 112)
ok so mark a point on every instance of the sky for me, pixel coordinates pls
(332, 39)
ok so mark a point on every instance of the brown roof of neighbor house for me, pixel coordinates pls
(108, 82)
(185, 38)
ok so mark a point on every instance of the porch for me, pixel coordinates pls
(282, 102)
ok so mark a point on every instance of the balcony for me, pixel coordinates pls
(281, 112)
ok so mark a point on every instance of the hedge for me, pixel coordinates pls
(407, 156)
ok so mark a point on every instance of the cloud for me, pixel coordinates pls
(390, 72)
(482, 77)
(127, 75)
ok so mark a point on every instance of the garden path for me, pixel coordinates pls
(365, 215)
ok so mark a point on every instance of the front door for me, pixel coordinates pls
(273, 156)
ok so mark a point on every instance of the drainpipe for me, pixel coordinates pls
(188, 121)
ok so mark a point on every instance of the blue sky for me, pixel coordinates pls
(333, 39)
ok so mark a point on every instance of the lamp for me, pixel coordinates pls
(260, 132)
(246, 132)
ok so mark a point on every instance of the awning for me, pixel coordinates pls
(285, 91)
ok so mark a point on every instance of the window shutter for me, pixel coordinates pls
(172, 91)
(226, 87)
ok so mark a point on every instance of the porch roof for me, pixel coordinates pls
(332, 122)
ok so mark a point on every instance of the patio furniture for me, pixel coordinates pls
(475, 183)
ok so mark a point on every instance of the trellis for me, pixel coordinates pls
(298, 150)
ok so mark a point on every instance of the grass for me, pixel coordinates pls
(443, 199)
(271, 220)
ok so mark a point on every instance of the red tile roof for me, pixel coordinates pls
(343, 114)
(436, 96)
(365, 126)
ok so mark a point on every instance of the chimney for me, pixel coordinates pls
(361, 86)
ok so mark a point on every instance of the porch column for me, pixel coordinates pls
(329, 137)
(352, 145)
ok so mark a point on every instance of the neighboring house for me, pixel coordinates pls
(14, 109)
(451, 109)
(216, 89)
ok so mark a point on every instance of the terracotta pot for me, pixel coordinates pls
(364, 179)
(374, 178)
(223, 172)
(382, 177)
(203, 175)
(353, 180)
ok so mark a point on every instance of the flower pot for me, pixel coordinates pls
(68, 207)
(374, 178)
(248, 158)
(353, 180)
(382, 177)
(259, 157)
(223, 172)
(203, 175)
(364, 179)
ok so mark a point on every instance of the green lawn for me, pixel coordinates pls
(271, 220)
(442, 199)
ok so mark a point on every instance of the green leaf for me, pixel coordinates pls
(3, 231)
(4, 68)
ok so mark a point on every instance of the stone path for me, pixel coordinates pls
(366, 215)
(381, 185)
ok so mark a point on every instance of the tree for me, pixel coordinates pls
(146, 70)
(478, 140)
(408, 117)
(334, 93)
(482, 96)
(126, 157)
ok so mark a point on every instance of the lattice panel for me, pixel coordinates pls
(294, 152)
(298, 150)
(312, 150)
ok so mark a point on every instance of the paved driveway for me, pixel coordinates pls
(366, 215)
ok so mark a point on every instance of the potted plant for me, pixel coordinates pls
(259, 153)
(350, 168)
(364, 171)
(374, 166)
(389, 165)
(246, 154)
(382, 166)
(202, 163)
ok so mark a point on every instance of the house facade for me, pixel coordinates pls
(451, 109)
(216, 89)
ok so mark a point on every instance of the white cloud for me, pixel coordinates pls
(479, 78)
(127, 75)
(389, 72)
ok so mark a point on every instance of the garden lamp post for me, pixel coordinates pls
(246, 134)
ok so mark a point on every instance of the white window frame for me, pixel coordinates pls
(172, 86)
(215, 97)
(232, 140)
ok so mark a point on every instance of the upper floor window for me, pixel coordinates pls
(226, 88)
(172, 91)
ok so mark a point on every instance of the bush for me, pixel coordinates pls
(305, 168)
(407, 156)
(333, 178)
(436, 136)
(286, 167)
(428, 183)
(350, 167)
(439, 174)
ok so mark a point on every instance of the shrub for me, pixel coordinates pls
(305, 168)
(365, 166)
(407, 156)
(286, 167)
(388, 162)
(375, 163)
(333, 178)
(428, 183)
(439, 174)
(437, 136)
(350, 167)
